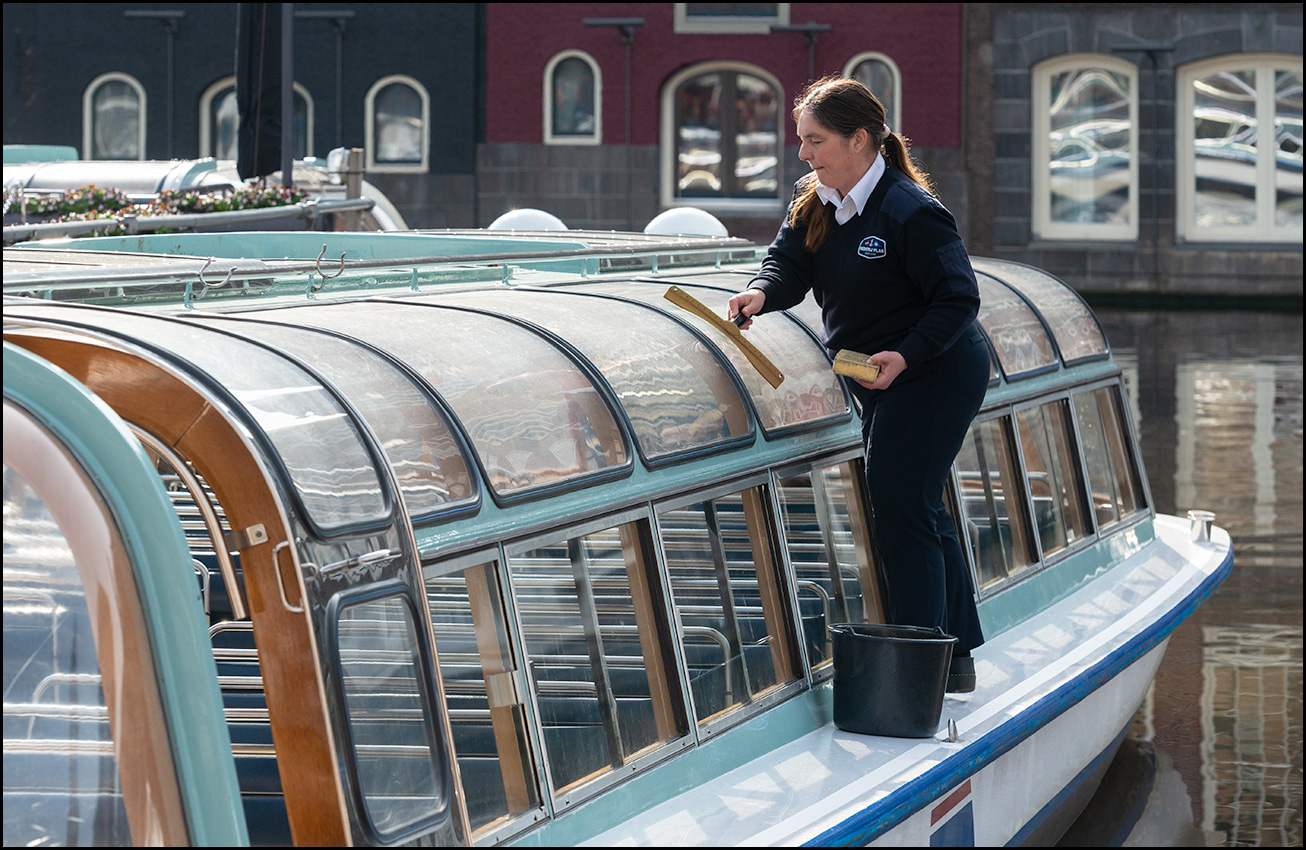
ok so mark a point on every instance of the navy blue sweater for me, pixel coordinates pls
(896, 277)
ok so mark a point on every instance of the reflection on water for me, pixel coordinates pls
(1217, 403)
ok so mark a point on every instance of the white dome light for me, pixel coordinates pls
(527, 219)
(686, 221)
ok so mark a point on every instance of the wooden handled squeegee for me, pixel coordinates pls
(764, 367)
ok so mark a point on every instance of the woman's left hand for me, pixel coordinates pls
(891, 365)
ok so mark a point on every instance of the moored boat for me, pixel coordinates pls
(490, 542)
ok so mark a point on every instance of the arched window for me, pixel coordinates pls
(220, 121)
(721, 137)
(1085, 148)
(880, 74)
(398, 132)
(573, 101)
(1236, 182)
(113, 118)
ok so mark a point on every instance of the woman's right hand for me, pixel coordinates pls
(749, 302)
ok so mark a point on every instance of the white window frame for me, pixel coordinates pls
(894, 119)
(1041, 221)
(667, 178)
(1264, 230)
(597, 136)
(220, 88)
(88, 111)
(369, 122)
(683, 23)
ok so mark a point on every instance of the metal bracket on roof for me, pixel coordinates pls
(504, 689)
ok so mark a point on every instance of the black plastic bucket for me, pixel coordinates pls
(889, 680)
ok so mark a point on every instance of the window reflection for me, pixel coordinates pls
(829, 547)
(399, 130)
(1288, 149)
(224, 123)
(724, 582)
(1225, 142)
(727, 137)
(573, 98)
(1074, 326)
(1089, 146)
(60, 772)
(1018, 337)
(597, 650)
(1052, 466)
(1112, 473)
(477, 669)
(996, 524)
(389, 721)
(116, 114)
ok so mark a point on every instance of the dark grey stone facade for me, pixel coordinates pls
(1005, 42)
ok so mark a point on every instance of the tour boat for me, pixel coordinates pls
(476, 537)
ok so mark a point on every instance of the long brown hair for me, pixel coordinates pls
(845, 106)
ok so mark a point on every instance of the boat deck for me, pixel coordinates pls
(1090, 654)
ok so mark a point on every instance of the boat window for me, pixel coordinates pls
(417, 439)
(725, 583)
(1018, 337)
(1075, 328)
(394, 753)
(825, 530)
(598, 651)
(532, 415)
(1112, 474)
(322, 450)
(480, 681)
(677, 396)
(993, 502)
(810, 391)
(67, 779)
(60, 766)
(1052, 466)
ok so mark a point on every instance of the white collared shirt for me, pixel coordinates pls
(855, 201)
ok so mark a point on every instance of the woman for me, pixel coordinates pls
(884, 261)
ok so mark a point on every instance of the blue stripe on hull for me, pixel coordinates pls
(864, 826)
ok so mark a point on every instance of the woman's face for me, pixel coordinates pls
(839, 162)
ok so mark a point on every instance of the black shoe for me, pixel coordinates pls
(961, 675)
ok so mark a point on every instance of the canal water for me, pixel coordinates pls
(1214, 757)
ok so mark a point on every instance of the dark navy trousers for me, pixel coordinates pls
(911, 433)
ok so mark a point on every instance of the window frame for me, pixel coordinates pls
(595, 138)
(369, 127)
(1042, 225)
(682, 22)
(707, 728)
(1266, 66)
(670, 142)
(560, 799)
(88, 113)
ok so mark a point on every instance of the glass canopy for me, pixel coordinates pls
(415, 434)
(677, 396)
(328, 461)
(531, 412)
(1076, 330)
(1022, 344)
(810, 391)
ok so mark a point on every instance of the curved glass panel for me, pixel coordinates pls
(321, 448)
(1074, 326)
(61, 780)
(533, 417)
(427, 460)
(677, 395)
(394, 752)
(1018, 336)
(810, 391)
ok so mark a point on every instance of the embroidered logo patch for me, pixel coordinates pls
(872, 248)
